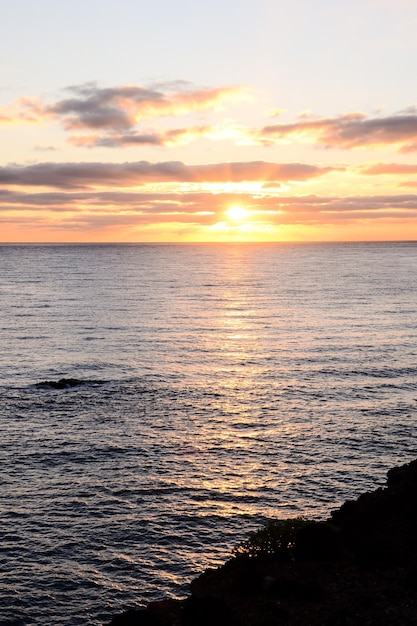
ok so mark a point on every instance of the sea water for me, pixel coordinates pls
(216, 387)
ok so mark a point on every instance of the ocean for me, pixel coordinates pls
(206, 389)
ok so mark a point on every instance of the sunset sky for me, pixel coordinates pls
(231, 120)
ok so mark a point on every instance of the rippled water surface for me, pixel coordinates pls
(220, 385)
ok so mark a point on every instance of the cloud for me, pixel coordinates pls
(114, 116)
(258, 170)
(29, 110)
(103, 208)
(171, 137)
(396, 169)
(82, 175)
(352, 130)
(39, 148)
(121, 108)
(116, 141)
(320, 210)
(43, 200)
(275, 112)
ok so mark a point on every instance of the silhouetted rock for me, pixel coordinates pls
(318, 540)
(66, 383)
(208, 611)
(167, 611)
(380, 526)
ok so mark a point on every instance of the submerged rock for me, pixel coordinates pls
(358, 568)
(66, 383)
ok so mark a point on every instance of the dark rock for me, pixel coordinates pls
(168, 612)
(318, 540)
(66, 383)
(133, 617)
(246, 578)
(309, 591)
(208, 611)
(380, 526)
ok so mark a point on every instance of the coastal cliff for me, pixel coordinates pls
(358, 568)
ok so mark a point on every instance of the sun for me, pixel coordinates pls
(237, 213)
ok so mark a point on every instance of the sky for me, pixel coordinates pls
(231, 120)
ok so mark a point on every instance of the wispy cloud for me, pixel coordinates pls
(23, 110)
(171, 137)
(395, 169)
(352, 130)
(81, 175)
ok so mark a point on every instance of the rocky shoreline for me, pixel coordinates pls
(358, 568)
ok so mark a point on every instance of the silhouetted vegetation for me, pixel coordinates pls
(277, 538)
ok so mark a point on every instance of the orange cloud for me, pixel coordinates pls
(80, 175)
(30, 110)
(352, 130)
(396, 169)
(94, 209)
(115, 108)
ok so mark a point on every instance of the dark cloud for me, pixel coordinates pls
(129, 139)
(121, 108)
(42, 199)
(95, 108)
(133, 138)
(354, 130)
(82, 175)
